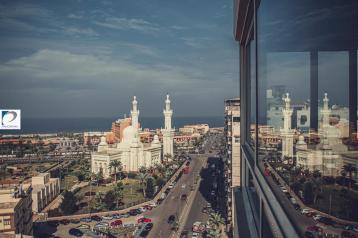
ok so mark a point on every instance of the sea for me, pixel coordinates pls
(57, 125)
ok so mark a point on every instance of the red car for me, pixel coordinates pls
(116, 223)
(144, 220)
(315, 229)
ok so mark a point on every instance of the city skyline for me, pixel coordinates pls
(87, 59)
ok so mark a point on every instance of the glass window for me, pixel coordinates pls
(251, 97)
(307, 110)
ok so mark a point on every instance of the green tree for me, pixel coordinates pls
(149, 190)
(160, 182)
(118, 192)
(117, 166)
(98, 204)
(68, 205)
(109, 200)
(216, 220)
(143, 180)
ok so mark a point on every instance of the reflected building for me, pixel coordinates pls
(308, 48)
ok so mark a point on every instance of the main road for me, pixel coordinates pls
(173, 204)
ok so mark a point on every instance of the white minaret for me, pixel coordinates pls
(325, 112)
(286, 131)
(135, 113)
(168, 132)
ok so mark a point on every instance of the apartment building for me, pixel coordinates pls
(45, 189)
(15, 211)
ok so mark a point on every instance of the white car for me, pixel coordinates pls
(317, 217)
(171, 186)
(101, 225)
(153, 204)
(142, 209)
(284, 189)
(293, 200)
(306, 210)
(107, 217)
(195, 235)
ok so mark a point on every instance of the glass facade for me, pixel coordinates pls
(299, 101)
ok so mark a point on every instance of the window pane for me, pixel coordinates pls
(307, 60)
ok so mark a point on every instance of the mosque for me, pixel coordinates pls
(130, 151)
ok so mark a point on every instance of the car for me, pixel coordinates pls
(148, 207)
(311, 214)
(148, 226)
(195, 235)
(142, 209)
(317, 217)
(107, 217)
(139, 211)
(116, 223)
(84, 227)
(133, 212)
(159, 201)
(314, 229)
(347, 234)
(184, 234)
(96, 218)
(296, 206)
(310, 234)
(293, 200)
(117, 216)
(171, 186)
(144, 233)
(153, 204)
(327, 221)
(171, 219)
(204, 210)
(144, 220)
(126, 215)
(75, 232)
(283, 189)
(85, 219)
(212, 193)
(183, 197)
(306, 210)
(198, 227)
(208, 205)
(101, 225)
(351, 227)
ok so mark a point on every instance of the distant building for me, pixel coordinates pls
(45, 189)
(232, 167)
(118, 127)
(202, 129)
(16, 211)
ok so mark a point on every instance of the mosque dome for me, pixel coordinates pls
(128, 134)
(156, 139)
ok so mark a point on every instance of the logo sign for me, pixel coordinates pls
(10, 119)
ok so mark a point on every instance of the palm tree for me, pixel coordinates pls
(115, 164)
(213, 233)
(216, 220)
(349, 169)
(98, 176)
(143, 181)
(118, 191)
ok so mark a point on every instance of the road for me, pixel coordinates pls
(173, 205)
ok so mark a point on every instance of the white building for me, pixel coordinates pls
(44, 190)
(168, 132)
(286, 132)
(132, 153)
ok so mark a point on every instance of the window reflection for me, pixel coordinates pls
(307, 63)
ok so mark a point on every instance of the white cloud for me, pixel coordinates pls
(80, 31)
(129, 24)
(74, 16)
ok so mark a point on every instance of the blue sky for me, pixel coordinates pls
(88, 58)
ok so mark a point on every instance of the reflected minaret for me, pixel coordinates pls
(286, 131)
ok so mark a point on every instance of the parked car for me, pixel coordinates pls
(117, 216)
(84, 227)
(144, 233)
(310, 234)
(351, 227)
(311, 214)
(347, 234)
(107, 217)
(171, 219)
(148, 207)
(171, 186)
(195, 235)
(148, 226)
(65, 222)
(317, 217)
(116, 222)
(75, 232)
(101, 225)
(96, 218)
(133, 212)
(183, 197)
(326, 220)
(314, 229)
(306, 210)
(86, 219)
(184, 234)
(74, 221)
(144, 220)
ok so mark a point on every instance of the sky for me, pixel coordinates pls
(88, 58)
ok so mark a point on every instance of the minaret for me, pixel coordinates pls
(135, 113)
(168, 132)
(286, 131)
(325, 112)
